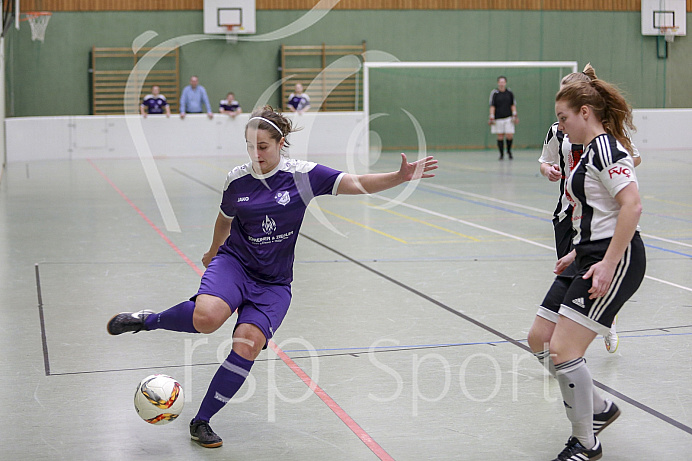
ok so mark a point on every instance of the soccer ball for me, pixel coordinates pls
(159, 399)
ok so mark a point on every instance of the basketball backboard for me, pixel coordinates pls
(219, 14)
(657, 14)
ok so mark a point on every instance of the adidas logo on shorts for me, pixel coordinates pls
(578, 302)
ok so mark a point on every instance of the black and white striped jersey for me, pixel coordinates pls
(557, 150)
(604, 170)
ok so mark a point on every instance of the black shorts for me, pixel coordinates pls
(569, 294)
(564, 234)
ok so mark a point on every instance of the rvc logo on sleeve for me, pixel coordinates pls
(619, 170)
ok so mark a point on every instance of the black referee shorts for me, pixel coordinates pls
(569, 294)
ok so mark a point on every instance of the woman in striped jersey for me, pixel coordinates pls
(608, 254)
(558, 158)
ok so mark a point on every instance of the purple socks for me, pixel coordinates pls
(228, 379)
(177, 318)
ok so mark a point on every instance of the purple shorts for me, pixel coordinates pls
(261, 304)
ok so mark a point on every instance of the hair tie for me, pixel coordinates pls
(269, 122)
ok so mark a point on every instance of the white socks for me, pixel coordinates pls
(577, 389)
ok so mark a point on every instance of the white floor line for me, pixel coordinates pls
(505, 234)
(649, 236)
(519, 205)
(490, 199)
(477, 226)
(668, 283)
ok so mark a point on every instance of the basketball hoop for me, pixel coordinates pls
(38, 20)
(231, 33)
(669, 33)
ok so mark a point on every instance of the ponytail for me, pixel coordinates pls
(606, 101)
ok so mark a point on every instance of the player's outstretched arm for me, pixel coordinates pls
(222, 229)
(377, 182)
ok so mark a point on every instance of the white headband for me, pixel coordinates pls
(269, 122)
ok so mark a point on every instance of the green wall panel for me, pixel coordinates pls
(53, 79)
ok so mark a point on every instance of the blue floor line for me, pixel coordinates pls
(667, 250)
(424, 346)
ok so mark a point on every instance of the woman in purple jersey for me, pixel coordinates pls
(250, 261)
(608, 255)
(298, 101)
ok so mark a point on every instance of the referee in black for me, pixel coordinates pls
(503, 116)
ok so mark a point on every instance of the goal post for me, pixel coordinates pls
(442, 90)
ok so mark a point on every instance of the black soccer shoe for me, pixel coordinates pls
(603, 420)
(127, 321)
(201, 432)
(575, 451)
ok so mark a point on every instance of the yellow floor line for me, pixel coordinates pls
(364, 226)
(420, 221)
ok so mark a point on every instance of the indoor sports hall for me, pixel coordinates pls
(406, 338)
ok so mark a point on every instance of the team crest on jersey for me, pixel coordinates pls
(268, 225)
(282, 198)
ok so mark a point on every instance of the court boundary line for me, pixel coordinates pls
(42, 322)
(358, 351)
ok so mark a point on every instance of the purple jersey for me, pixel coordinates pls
(155, 104)
(229, 106)
(267, 212)
(299, 101)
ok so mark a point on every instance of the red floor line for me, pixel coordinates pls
(359, 431)
(350, 423)
(149, 221)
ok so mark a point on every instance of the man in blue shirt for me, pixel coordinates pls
(194, 95)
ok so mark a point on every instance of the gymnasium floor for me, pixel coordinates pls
(409, 323)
